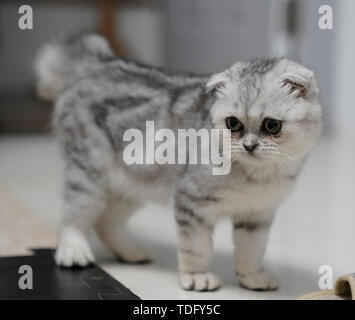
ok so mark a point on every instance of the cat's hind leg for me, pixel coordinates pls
(83, 204)
(113, 231)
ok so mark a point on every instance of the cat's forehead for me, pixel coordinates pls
(247, 79)
(256, 68)
(258, 93)
(250, 98)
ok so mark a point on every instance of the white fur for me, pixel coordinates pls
(252, 191)
(112, 230)
(199, 281)
(48, 61)
(257, 184)
(73, 248)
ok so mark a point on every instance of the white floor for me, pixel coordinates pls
(315, 226)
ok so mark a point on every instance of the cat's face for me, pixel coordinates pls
(271, 108)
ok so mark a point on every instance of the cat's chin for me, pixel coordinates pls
(255, 159)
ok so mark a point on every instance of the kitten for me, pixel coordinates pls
(270, 106)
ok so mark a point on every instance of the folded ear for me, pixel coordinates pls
(299, 80)
(297, 86)
(216, 82)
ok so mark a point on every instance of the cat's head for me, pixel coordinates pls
(271, 107)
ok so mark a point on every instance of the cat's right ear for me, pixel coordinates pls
(216, 82)
(299, 80)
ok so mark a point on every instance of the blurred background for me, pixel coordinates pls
(199, 36)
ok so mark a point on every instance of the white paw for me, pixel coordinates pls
(70, 256)
(73, 250)
(258, 280)
(133, 254)
(199, 281)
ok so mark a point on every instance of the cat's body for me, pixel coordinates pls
(99, 98)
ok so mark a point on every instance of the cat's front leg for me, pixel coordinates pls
(250, 240)
(195, 250)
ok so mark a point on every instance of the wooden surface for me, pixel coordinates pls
(20, 229)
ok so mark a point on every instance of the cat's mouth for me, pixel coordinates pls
(253, 154)
(255, 158)
(248, 157)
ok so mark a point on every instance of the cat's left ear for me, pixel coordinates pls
(216, 82)
(299, 80)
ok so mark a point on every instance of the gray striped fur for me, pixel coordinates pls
(98, 97)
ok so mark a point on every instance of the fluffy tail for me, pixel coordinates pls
(62, 61)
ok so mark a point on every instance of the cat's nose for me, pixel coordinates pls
(250, 148)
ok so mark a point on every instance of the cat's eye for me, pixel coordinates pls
(271, 126)
(234, 124)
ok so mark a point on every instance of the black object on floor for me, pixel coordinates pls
(51, 282)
